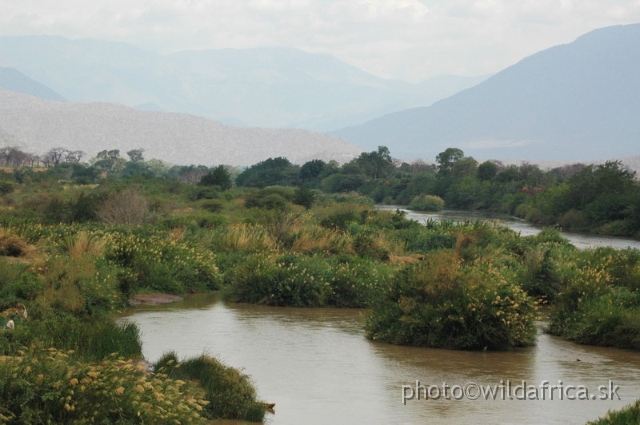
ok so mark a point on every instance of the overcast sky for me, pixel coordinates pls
(406, 39)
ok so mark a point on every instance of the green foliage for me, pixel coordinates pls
(342, 183)
(487, 170)
(448, 158)
(219, 176)
(355, 282)
(270, 172)
(304, 196)
(443, 302)
(427, 203)
(51, 386)
(161, 263)
(311, 171)
(629, 415)
(91, 339)
(18, 282)
(290, 280)
(600, 299)
(430, 240)
(229, 393)
(270, 198)
(6, 187)
(377, 164)
(213, 206)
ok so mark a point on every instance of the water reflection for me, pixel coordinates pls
(580, 240)
(318, 368)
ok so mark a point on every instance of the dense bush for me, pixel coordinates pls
(285, 281)
(427, 203)
(443, 302)
(162, 263)
(228, 392)
(600, 300)
(51, 386)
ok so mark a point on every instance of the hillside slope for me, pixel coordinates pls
(40, 125)
(579, 101)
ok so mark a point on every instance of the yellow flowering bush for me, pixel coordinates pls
(51, 386)
(447, 303)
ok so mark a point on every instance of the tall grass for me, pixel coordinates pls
(91, 340)
(229, 393)
(600, 300)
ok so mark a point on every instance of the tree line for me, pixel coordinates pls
(601, 198)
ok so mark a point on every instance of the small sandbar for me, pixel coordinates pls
(157, 298)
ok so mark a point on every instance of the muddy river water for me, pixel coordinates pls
(318, 368)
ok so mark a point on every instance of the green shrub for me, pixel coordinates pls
(600, 300)
(290, 280)
(6, 187)
(161, 263)
(538, 276)
(213, 206)
(229, 393)
(427, 241)
(51, 386)
(444, 303)
(427, 203)
(355, 281)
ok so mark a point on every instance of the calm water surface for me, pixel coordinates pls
(318, 368)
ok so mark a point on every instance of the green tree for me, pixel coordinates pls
(270, 172)
(447, 158)
(304, 196)
(109, 160)
(219, 176)
(311, 170)
(487, 170)
(465, 167)
(135, 155)
(377, 164)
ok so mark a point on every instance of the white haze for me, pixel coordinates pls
(404, 39)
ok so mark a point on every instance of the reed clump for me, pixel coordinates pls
(229, 394)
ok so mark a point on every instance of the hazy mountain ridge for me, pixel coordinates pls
(578, 101)
(268, 87)
(184, 139)
(14, 80)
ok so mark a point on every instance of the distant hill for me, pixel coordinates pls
(14, 80)
(579, 101)
(40, 125)
(265, 87)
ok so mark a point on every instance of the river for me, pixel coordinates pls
(318, 368)
(580, 240)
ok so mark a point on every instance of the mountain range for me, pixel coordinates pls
(259, 87)
(579, 101)
(573, 102)
(37, 125)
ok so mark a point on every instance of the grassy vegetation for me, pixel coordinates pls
(74, 253)
(629, 415)
(600, 304)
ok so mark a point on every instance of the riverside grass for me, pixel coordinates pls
(629, 415)
(342, 252)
